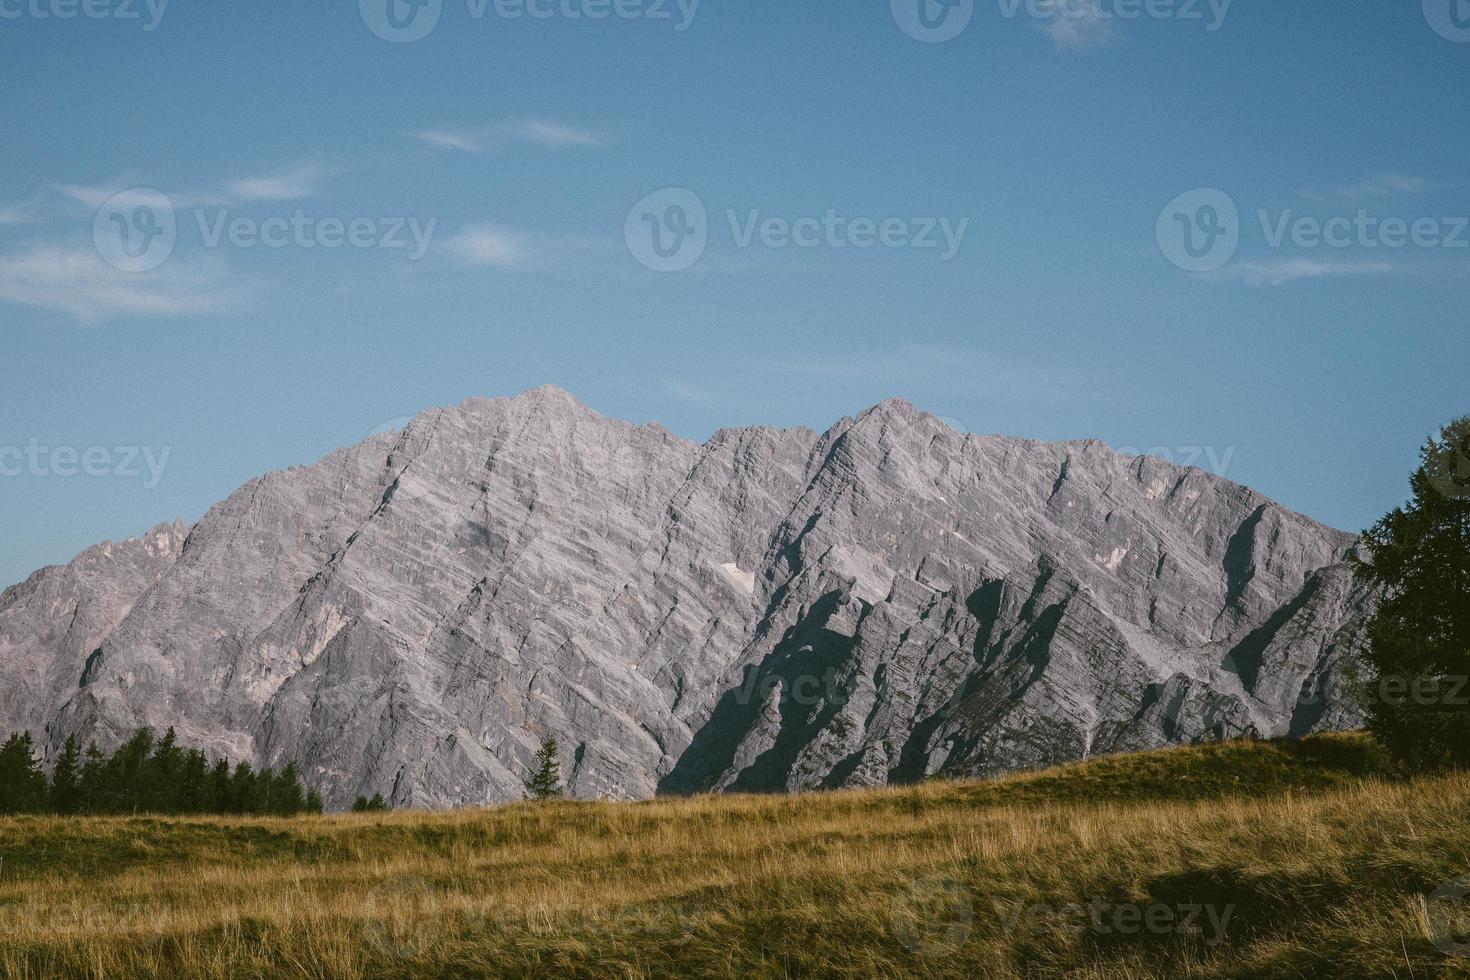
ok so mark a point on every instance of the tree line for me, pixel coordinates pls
(145, 775)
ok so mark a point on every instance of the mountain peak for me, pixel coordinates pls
(523, 567)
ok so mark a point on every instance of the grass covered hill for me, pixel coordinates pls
(1244, 859)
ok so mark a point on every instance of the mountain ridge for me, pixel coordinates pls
(411, 614)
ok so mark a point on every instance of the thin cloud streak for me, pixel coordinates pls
(1284, 271)
(490, 245)
(1383, 185)
(75, 280)
(543, 133)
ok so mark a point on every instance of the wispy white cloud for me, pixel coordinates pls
(1279, 272)
(75, 280)
(290, 184)
(545, 133)
(22, 213)
(447, 139)
(1077, 24)
(1383, 185)
(490, 245)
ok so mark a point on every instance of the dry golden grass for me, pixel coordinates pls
(962, 879)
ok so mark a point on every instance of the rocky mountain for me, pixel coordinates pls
(775, 609)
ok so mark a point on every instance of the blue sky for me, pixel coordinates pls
(1066, 152)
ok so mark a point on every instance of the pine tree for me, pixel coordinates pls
(314, 802)
(125, 776)
(286, 796)
(159, 784)
(194, 786)
(1418, 702)
(545, 782)
(93, 769)
(218, 794)
(66, 779)
(243, 792)
(22, 783)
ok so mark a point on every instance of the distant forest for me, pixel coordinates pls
(145, 775)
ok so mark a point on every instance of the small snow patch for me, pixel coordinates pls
(1114, 561)
(744, 581)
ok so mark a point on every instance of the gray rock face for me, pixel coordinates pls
(771, 610)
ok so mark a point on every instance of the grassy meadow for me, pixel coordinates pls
(1246, 859)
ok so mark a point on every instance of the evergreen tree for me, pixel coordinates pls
(66, 780)
(22, 783)
(159, 789)
(545, 782)
(218, 794)
(286, 796)
(194, 785)
(243, 793)
(314, 802)
(125, 775)
(364, 805)
(94, 766)
(1418, 702)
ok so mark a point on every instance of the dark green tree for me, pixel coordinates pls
(194, 787)
(545, 781)
(364, 805)
(22, 783)
(66, 779)
(1418, 699)
(160, 778)
(94, 768)
(287, 797)
(314, 802)
(219, 787)
(244, 791)
(125, 777)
